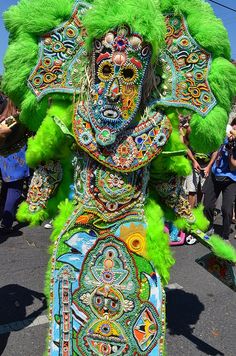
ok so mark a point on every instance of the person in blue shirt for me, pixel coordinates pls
(14, 172)
(222, 180)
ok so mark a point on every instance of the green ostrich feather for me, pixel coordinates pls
(144, 18)
(49, 141)
(222, 249)
(158, 249)
(23, 215)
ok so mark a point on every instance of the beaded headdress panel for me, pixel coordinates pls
(120, 59)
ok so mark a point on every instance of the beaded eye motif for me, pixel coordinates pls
(120, 60)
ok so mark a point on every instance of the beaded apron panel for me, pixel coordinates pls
(106, 299)
(103, 302)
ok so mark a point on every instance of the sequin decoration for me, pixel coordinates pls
(62, 56)
(133, 148)
(183, 70)
(45, 180)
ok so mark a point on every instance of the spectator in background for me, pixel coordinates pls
(222, 179)
(201, 166)
(14, 171)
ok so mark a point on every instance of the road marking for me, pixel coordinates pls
(26, 323)
(174, 286)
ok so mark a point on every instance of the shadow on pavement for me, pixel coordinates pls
(182, 312)
(14, 300)
(218, 229)
(13, 233)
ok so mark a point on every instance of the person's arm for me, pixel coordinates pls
(44, 183)
(232, 161)
(232, 151)
(4, 132)
(207, 169)
(195, 164)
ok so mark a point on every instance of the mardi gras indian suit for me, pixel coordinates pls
(101, 84)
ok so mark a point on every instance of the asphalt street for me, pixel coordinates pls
(200, 309)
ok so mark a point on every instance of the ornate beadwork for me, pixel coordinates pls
(44, 182)
(133, 148)
(185, 67)
(172, 194)
(134, 236)
(120, 60)
(108, 194)
(62, 57)
(102, 313)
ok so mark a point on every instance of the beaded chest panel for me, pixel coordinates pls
(133, 149)
(108, 194)
(106, 299)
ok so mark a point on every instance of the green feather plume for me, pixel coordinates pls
(222, 249)
(158, 249)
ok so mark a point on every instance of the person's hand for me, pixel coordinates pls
(207, 170)
(196, 166)
(232, 135)
(4, 132)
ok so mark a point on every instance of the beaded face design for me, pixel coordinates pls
(120, 60)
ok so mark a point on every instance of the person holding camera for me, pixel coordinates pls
(13, 168)
(222, 180)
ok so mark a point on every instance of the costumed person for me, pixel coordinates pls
(100, 85)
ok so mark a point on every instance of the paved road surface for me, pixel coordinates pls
(200, 310)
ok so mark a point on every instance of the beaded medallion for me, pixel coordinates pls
(108, 194)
